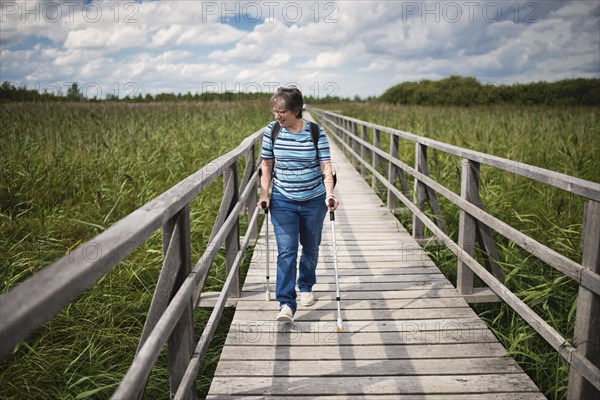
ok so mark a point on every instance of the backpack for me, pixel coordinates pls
(315, 133)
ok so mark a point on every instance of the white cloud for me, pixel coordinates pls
(345, 47)
(325, 60)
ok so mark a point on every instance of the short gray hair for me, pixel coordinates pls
(291, 97)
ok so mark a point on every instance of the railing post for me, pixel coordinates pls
(348, 127)
(355, 144)
(391, 198)
(251, 204)
(377, 144)
(587, 321)
(346, 137)
(469, 190)
(363, 150)
(181, 341)
(232, 241)
(420, 189)
(338, 128)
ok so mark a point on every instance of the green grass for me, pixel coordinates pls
(565, 140)
(69, 171)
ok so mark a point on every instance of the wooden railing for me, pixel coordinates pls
(170, 320)
(475, 225)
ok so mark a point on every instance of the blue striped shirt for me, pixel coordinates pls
(298, 174)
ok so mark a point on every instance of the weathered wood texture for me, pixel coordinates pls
(407, 331)
(587, 324)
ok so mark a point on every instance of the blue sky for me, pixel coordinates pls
(343, 48)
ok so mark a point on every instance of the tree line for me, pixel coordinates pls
(468, 91)
(453, 90)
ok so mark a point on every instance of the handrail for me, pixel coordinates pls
(582, 187)
(473, 218)
(35, 301)
(564, 264)
(146, 357)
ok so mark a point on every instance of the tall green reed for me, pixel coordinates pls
(68, 172)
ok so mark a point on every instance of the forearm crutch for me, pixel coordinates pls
(335, 267)
(263, 205)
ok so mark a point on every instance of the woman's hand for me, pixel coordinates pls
(336, 203)
(263, 200)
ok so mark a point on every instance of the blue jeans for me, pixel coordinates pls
(295, 221)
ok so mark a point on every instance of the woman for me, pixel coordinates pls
(302, 188)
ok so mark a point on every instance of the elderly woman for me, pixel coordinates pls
(302, 188)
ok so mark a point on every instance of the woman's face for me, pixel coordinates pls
(283, 114)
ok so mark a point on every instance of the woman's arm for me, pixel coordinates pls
(327, 169)
(265, 180)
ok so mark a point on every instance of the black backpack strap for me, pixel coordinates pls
(274, 132)
(315, 133)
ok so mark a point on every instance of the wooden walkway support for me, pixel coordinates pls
(407, 330)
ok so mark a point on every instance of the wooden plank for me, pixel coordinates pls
(411, 256)
(484, 396)
(393, 385)
(382, 367)
(310, 314)
(365, 278)
(404, 328)
(346, 264)
(395, 304)
(262, 334)
(395, 286)
(372, 352)
(366, 295)
(398, 253)
(254, 271)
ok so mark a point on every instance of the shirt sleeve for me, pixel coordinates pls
(266, 152)
(324, 153)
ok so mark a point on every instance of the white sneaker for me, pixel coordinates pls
(285, 314)
(307, 298)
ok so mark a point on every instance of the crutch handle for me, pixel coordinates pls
(263, 205)
(331, 213)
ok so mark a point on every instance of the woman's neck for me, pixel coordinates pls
(297, 125)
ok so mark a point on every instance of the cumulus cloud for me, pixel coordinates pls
(329, 48)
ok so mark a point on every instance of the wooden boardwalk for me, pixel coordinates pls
(407, 331)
